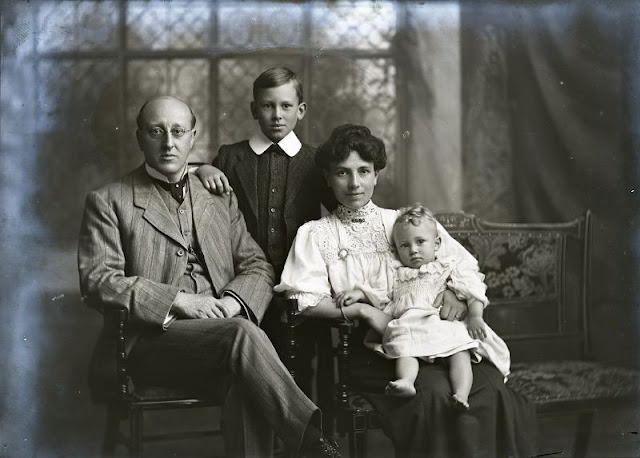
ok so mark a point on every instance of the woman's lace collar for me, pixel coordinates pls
(360, 215)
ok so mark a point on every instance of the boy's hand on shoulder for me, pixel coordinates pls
(214, 180)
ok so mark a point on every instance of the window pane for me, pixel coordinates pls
(79, 137)
(75, 26)
(235, 85)
(168, 25)
(70, 89)
(187, 79)
(358, 91)
(359, 25)
(257, 25)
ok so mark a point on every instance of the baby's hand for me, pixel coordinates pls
(347, 298)
(213, 179)
(476, 328)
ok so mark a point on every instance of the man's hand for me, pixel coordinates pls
(187, 305)
(452, 308)
(213, 179)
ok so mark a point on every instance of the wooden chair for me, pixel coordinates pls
(538, 280)
(110, 384)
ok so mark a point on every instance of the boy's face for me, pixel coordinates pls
(416, 245)
(278, 110)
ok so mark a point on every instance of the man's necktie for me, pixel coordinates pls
(176, 189)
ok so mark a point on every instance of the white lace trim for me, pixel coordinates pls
(359, 215)
(338, 237)
(306, 300)
(405, 274)
(421, 282)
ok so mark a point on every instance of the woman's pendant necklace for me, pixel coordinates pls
(343, 251)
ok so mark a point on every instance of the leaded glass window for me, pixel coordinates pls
(97, 61)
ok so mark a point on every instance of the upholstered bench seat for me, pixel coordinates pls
(554, 382)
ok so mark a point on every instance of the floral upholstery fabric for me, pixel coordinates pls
(516, 265)
(554, 381)
(558, 381)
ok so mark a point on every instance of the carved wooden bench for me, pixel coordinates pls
(538, 284)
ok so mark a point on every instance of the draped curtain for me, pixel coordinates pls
(547, 112)
(427, 53)
(570, 154)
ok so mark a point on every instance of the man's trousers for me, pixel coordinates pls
(233, 356)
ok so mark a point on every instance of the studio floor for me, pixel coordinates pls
(47, 412)
(615, 434)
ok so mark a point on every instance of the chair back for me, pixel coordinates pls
(537, 277)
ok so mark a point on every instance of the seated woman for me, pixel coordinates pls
(352, 247)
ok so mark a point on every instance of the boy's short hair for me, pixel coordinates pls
(277, 76)
(415, 215)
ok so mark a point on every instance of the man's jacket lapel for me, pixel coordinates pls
(147, 197)
(207, 225)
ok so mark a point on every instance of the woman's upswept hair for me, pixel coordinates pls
(347, 138)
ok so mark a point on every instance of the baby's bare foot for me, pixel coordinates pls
(460, 403)
(401, 388)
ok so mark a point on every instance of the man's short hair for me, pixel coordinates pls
(277, 76)
(144, 105)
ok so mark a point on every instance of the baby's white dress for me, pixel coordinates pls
(417, 329)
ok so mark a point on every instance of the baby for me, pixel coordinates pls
(415, 330)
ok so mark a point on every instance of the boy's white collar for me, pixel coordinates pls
(290, 144)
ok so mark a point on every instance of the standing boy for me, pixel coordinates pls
(276, 182)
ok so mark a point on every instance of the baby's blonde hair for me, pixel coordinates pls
(415, 215)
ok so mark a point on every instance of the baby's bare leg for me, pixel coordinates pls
(406, 371)
(377, 319)
(461, 376)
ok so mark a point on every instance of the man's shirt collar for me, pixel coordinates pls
(290, 144)
(153, 173)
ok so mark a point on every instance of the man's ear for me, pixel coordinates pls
(193, 138)
(253, 109)
(302, 110)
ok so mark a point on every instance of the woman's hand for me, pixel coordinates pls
(213, 179)
(346, 298)
(476, 328)
(451, 308)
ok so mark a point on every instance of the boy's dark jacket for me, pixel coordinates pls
(303, 194)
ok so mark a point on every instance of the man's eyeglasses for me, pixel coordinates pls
(159, 132)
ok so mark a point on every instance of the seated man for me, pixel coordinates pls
(196, 286)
